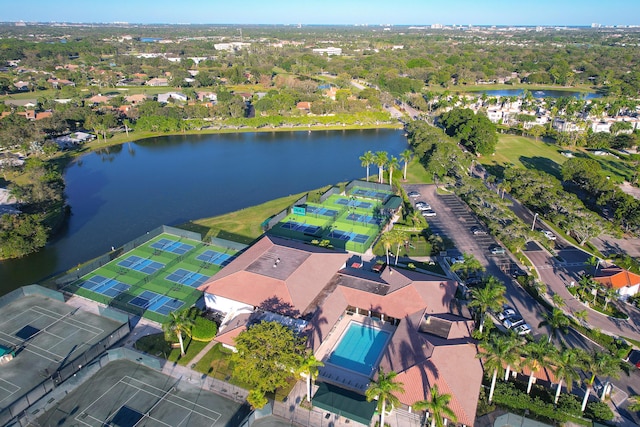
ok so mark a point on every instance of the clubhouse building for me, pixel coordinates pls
(356, 321)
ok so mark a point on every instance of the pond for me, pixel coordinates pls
(119, 194)
(540, 93)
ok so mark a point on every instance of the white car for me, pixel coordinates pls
(413, 194)
(522, 329)
(429, 213)
(506, 314)
(512, 322)
(424, 207)
(549, 235)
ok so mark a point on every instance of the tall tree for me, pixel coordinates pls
(309, 369)
(399, 238)
(488, 297)
(538, 356)
(384, 389)
(392, 164)
(387, 240)
(437, 406)
(381, 159)
(366, 160)
(556, 321)
(266, 355)
(468, 265)
(179, 322)
(565, 368)
(405, 156)
(599, 363)
(493, 348)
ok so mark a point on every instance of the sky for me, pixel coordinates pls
(343, 12)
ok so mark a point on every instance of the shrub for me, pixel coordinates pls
(203, 329)
(569, 404)
(598, 411)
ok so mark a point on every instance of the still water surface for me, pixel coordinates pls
(540, 93)
(118, 195)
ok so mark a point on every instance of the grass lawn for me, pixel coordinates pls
(240, 226)
(156, 345)
(525, 152)
(416, 173)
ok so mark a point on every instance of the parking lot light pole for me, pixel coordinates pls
(534, 221)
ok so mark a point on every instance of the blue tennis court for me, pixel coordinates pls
(345, 235)
(354, 203)
(186, 277)
(215, 257)
(371, 194)
(143, 265)
(155, 302)
(363, 218)
(105, 286)
(303, 228)
(168, 245)
(319, 210)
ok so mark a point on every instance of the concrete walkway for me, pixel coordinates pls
(204, 351)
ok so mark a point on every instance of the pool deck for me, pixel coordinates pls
(337, 375)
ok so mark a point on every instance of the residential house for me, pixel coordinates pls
(43, 115)
(331, 93)
(623, 281)
(21, 86)
(176, 96)
(157, 81)
(98, 99)
(26, 103)
(304, 106)
(207, 96)
(136, 99)
(426, 336)
(329, 51)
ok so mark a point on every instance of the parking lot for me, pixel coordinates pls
(454, 220)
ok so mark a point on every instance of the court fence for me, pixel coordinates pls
(368, 185)
(16, 412)
(330, 192)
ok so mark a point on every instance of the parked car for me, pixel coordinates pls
(506, 314)
(424, 207)
(497, 250)
(413, 194)
(478, 231)
(522, 329)
(518, 273)
(512, 322)
(429, 213)
(549, 235)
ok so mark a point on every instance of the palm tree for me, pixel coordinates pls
(488, 297)
(366, 160)
(438, 406)
(558, 300)
(399, 238)
(538, 355)
(581, 315)
(392, 164)
(468, 265)
(556, 321)
(609, 294)
(634, 403)
(494, 347)
(381, 159)
(387, 240)
(564, 368)
(405, 156)
(599, 363)
(179, 322)
(383, 390)
(511, 356)
(309, 369)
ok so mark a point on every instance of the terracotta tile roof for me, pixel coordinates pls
(289, 281)
(616, 277)
(423, 360)
(43, 115)
(233, 329)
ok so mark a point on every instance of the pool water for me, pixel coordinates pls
(359, 348)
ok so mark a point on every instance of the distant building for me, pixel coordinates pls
(176, 96)
(156, 81)
(623, 281)
(329, 51)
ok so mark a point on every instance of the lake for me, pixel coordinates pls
(119, 194)
(540, 93)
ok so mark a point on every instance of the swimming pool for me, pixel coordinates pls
(359, 348)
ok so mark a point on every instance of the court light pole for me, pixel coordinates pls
(534, 221)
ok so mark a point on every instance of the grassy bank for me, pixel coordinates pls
(530, 88)
(240, 226)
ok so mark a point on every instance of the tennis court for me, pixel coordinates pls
(302, 228)
(143, 265)
(47, 335)
(370, 194)
(346, 235)
(365, 219)
(105, 286)
(125, 394)
(173, 246)
(186, 277)
(320, 210)
(152, 301)
(214, 257)
(354, 203)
